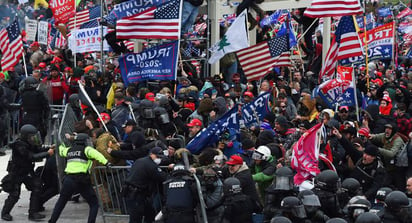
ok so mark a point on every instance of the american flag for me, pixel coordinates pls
(159, 22)
(55, 40)
(258, 60)
(11, 45)
(346, 44)
(87, 18)
(329, 8)
(129, 45)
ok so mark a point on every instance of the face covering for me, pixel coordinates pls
(157, 161)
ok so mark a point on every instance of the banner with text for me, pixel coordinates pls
(42, 35)
(62, 10)
(87, 40)
(131, 7)
(154, 63)
(254, 112)
(380, 45)
(31, 29)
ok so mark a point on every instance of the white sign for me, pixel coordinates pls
(43, 32)
(31, 29)
(87, 40)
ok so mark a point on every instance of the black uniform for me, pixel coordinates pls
(35, 110)
(180, 198)
(21, 170)
(141, 184)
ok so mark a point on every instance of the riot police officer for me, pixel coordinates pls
(350, 188)
(327, 184)
(180, 196)
(312, 206)
(380, 197)
(356, 206)
(293, 209)
(280, 219)
(397, 208)
(146, 114)
(77, 179)
(281, 187)
(25, 151)
(238, 206)
(35, 106)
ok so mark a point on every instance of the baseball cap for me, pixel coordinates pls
(42, 65)
(150, 96)
(157, 151)
(235, 160)
(129, 122)
(344, 107)
(364, 132)
(249, 94)
(195, 122)
(35, 44)
(104, 117)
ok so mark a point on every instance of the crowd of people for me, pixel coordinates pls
(365, 162)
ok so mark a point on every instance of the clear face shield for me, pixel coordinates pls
(283, 183)
(311, 200)
(257, 156)
(357, 212)
(299, 211)
(35, 139)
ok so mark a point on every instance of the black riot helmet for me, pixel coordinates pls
(146, 109)
(336, 220)
(280, 220)
(351, 186)
(396, 200)
(30, 83)
(382, 193)
(179, 170)
(294, 206)
(162, 115)
(328, 180)
(231, 186)
(283, 179)
(358, 205)
(368, 217)
(31, 135)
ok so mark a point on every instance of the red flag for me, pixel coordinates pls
(345, 44)
(62, 10)
(407, 11)
(329, 8)
(258, 60)
(11, 45)
(306, 154)
(158, 22)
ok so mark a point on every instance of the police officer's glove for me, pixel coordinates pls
(109, 165)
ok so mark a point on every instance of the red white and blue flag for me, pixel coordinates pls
(346, 44)
(87, 18)
(330, 8)
(157, 22)
(305, 156)
(11, 45)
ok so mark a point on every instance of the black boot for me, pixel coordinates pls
(36, 216)
(7, 217)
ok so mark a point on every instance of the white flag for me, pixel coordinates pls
(235, 38)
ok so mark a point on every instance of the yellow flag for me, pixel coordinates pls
(110, 96)
(37, 3)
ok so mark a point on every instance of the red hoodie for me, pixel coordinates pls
(58, 85)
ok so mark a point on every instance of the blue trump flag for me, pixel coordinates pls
(154, 63)
(336, 91)
(210, 135)
(272, 19)
(284, 29)
(130, 8)
(254, 111)
(384, 12)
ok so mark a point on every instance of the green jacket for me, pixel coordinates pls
(81, 165)
(263, 174)
(390, 147)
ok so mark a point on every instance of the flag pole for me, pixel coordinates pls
(355, 92)
(101, 37)
(366, 46)
(74, 35)
(24, 63)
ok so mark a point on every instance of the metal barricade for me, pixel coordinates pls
(108, 184)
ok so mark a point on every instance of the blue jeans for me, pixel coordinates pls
(189, 14)
(72, 184)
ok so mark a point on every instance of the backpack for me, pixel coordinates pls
(401, 158)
